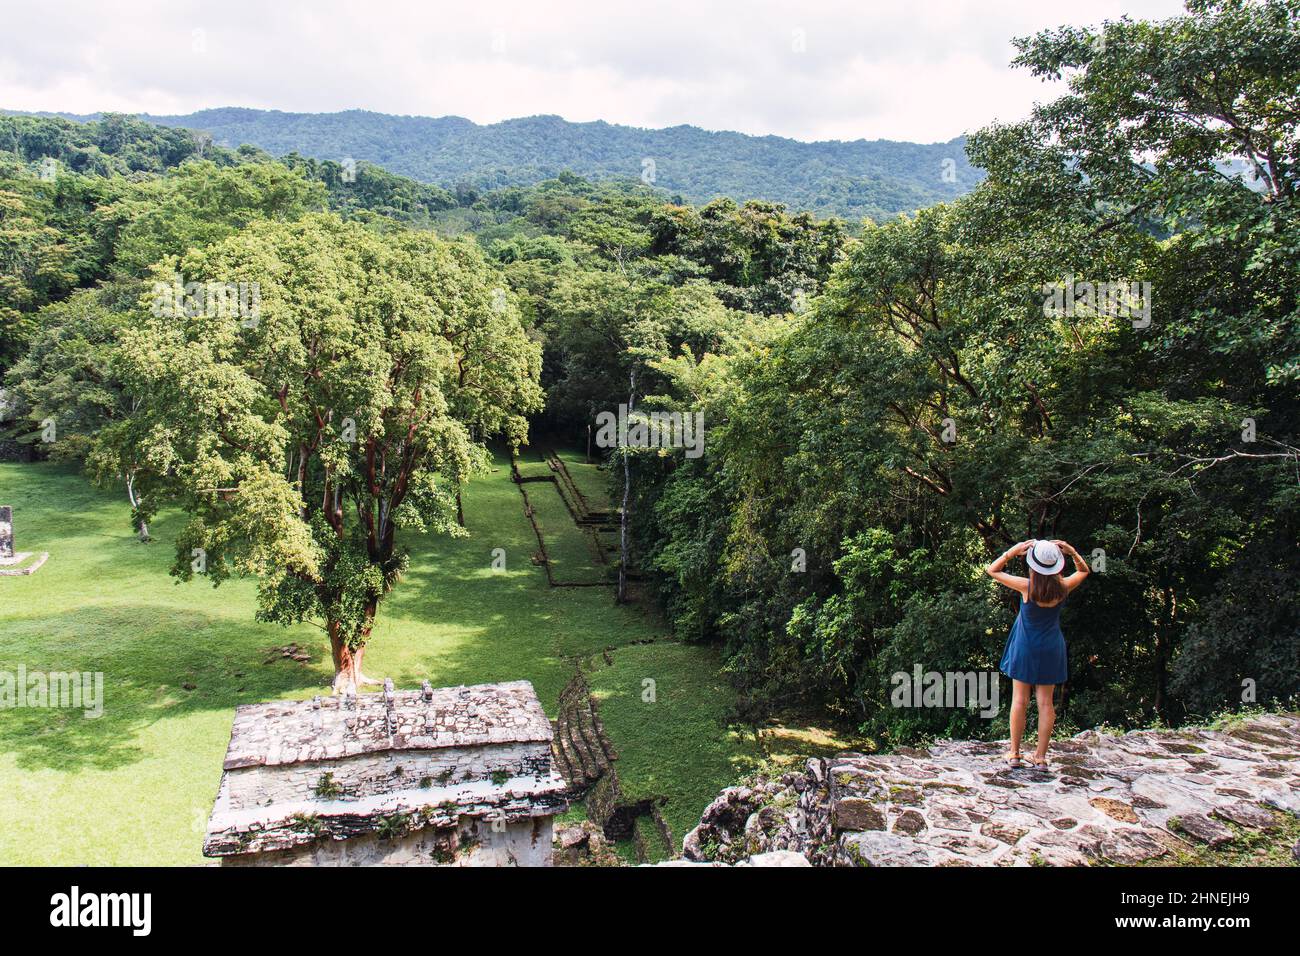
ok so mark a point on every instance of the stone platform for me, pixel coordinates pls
(449, 776)
(1106, 799)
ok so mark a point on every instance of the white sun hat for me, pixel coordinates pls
(1045, 557)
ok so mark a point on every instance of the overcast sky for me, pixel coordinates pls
(923, 70)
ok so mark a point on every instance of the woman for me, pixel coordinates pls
(1035, 652)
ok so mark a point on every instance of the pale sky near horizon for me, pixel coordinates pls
(924, 71)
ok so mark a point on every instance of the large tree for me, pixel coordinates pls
(353, 400)
(116, 228)
(67, 381)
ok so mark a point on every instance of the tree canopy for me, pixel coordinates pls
(354, 403)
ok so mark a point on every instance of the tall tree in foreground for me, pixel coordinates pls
(301, 427)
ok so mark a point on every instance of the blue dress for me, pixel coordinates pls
(1035, 652)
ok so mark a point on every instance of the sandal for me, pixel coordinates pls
(1014, 761)
(1041, 767)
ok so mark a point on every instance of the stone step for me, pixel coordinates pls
(562, 765)
(588, 741)
(598, 744)
(568, 488)
(579, 749)
(584, 753)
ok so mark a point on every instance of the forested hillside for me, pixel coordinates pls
(852, 180)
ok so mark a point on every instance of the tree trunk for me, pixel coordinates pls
(1163, 640)
(623, 544)
(141, 526)
(362, 679)
(622, 529)
(1161, 654)
(460, 510)
(347, 661)
(348, 675)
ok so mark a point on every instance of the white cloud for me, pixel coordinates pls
(922, 71)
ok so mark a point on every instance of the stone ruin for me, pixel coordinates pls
(453, 776)
(1141, 796)
(15, 562)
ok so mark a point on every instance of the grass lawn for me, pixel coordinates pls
(592, 480)
(661, 749)
(570, 549)
(135, 786)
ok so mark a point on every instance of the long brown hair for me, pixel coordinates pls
(1046, 590)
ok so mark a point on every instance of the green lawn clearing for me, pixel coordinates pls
(135, 786)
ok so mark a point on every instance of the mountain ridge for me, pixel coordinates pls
(849, 178)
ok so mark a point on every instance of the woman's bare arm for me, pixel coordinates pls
(1081, 569)
(1013, 581)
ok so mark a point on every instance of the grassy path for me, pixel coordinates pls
(135, 786)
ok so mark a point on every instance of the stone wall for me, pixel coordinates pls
(385, 771)
(471, 842)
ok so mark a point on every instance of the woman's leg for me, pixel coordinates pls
(1046, 718)
(1019, 707)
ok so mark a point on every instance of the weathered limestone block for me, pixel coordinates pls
(471, 842)
(910, 822)
(855, 813)
(1003, 833)
(1204, 828)
(1115, 809)
(877, 848)
(1131, 846)
(455, 776)
(722, 826)
(1247, 815)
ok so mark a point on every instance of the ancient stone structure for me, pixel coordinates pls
(1105, 799)
(15, 562)
(454, 776)
(584, 844)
